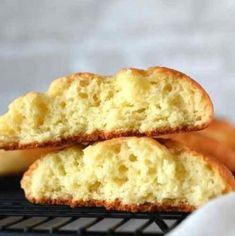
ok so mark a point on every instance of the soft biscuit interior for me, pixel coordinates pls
(137, 101)
(130, 170)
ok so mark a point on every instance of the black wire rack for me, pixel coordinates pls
(19, 217)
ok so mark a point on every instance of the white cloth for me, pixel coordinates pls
(215, 218)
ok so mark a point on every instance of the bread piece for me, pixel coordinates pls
(16, 162)
(208, 146)
(130, 174)
(222, 131)
(86, 107)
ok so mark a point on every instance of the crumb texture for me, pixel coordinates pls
(128, 170)
(158, 99)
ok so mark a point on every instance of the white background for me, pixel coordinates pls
(42, 40)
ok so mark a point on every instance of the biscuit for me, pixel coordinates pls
(222, 131)
(131, 174)
(16, 162)
(85, 107)
(208, 146)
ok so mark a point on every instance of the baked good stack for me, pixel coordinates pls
(106, 126)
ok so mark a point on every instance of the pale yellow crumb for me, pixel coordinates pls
(132, 170)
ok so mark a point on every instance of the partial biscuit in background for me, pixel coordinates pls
(85, 107)
(16, 162)
(130, 174)
(208, 146)
(221, 130)
(217, 141)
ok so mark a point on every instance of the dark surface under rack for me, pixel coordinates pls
(19, 217)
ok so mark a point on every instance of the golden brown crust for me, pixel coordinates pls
(98, 136)
(116, 205)
(223, 171)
